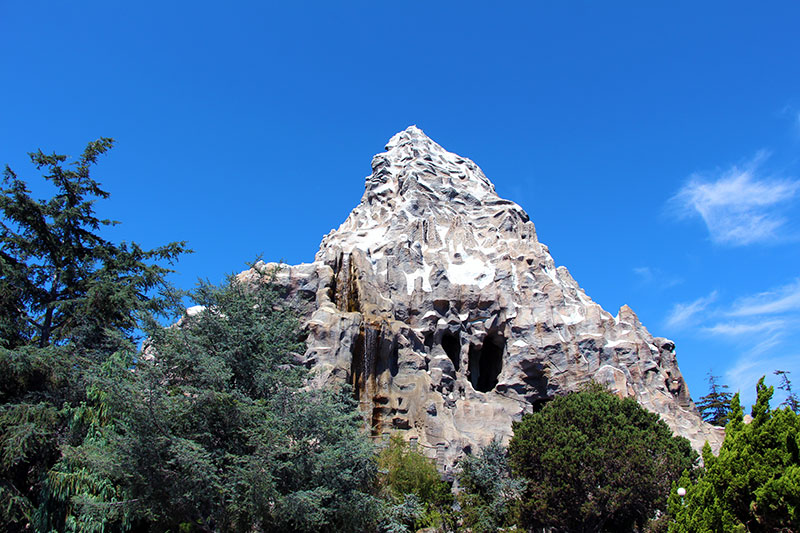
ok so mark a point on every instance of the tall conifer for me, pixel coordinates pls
(716, 405)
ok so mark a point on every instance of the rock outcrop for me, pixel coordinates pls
(436, 301)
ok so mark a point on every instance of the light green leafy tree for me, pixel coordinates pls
(416, 494)
(490, 495)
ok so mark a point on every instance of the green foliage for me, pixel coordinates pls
(594, 462)
(716, 405)
(61, 281)
(490, 496)
(37, 387)
(412, 482)
(210, 430)
(68, 299)
(754, 483)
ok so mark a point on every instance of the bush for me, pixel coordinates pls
(595, 462)
(489, 496)
(410, 480)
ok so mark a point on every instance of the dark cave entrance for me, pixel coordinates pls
(452, 347)
(486, 362)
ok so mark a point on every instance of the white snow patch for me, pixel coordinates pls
(514, 277)
(551, 275)
(472, 271)
(583, 298)
(576, 315)
(612, 344)
(382, 187)
(520, 344)
(423, 273)
(442, 231)
(370, 239)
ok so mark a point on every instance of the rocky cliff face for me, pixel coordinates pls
(436, 301)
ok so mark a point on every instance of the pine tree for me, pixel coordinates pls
(212, 431)
(61, 280)
(715, 406)
(792, 401)
(69, 299)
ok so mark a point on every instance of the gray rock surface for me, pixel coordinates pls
(437, 302)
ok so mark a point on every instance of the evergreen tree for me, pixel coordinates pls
(61, 279)
(69, 298)
(792, 401)
(211, 431)
(594, 462)
(754, 482)
(715, 406)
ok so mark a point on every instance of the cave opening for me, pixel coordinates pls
(452, 347)
(486, 362)
(428, 340)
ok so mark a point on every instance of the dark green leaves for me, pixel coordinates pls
(69, 300)
(61, 280)
(716, 405)
(211, 428)
(490, 496)
(594, 462)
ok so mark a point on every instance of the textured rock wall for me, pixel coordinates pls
(437, 302)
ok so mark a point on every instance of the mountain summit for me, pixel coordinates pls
(437, 302)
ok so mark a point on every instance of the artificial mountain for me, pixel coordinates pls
(437, 302)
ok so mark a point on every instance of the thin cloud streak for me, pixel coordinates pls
(735, 329)
(645, 273)
(654, 276)
(748, 369)
(738, 207)
(781, 300)
(760, 330)
(682, 313)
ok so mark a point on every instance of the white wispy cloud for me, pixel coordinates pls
(759, 330)
(780, 300)
(682, 313)
(646, 273)
(750, 366)
(736, 329)
(738, 206)
(655, 276)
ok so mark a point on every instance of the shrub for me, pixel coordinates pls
(595, 462)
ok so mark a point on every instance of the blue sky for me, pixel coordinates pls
(655, 146)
